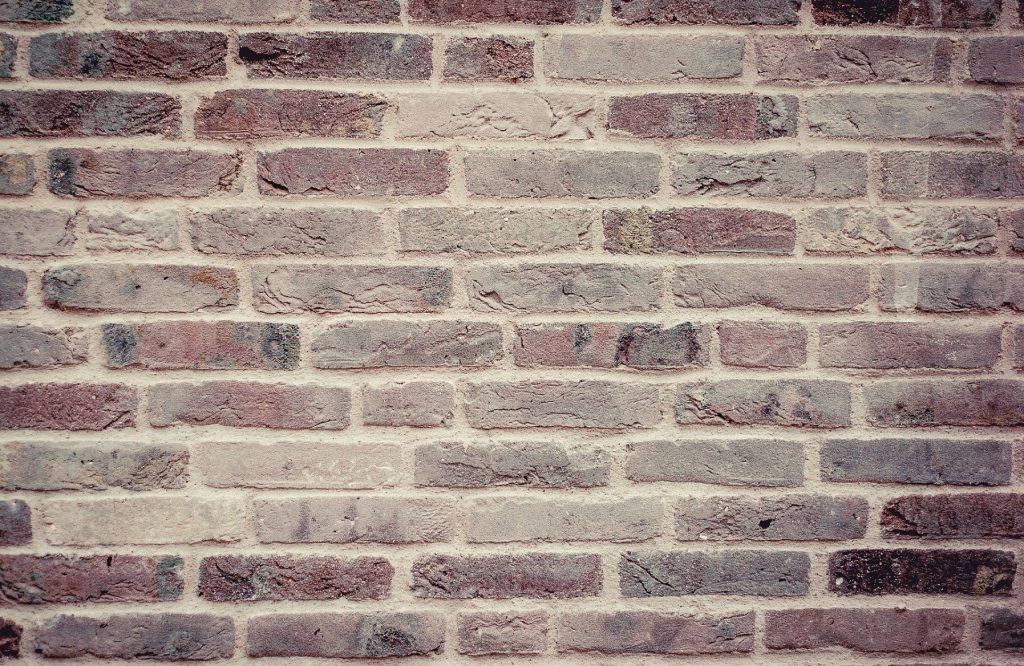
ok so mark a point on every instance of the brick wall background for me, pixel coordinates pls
(562, 329)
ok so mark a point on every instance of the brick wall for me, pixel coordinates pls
(575, 329)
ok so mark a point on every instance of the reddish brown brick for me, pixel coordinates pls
(908, 13)
(37, 233)
(346, 635)
(66, 113)
(486, 11)
(62, 579)
(918, 571)
(610, 345)
(263, 578)
(892, 345)
(498, 58)
(336, 55)
(761, 344)
(700, 116)
(808, 286)
(95, 288)
(356, 11)
(93, 466)
(37, 11)
(688, 12)
(640, 632)
(353, 172)
(502, 633)
(272, 114)
(12, 288)
(983, 402)
(67, 407)
(17, 174)
(865, 630)
(786, 518)
(10, 638)
(853, 59)
(976, 516)
(535, 575)
(202, 11)
(172, 636)
(698, 231)
(812, 403)
(197, 345)
(1002, 629)
(141, 174)
(15, 523)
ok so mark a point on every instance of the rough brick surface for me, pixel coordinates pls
(141, 174)
(331, 55)
(683, 573)
(346, 635)
(947, 516)
(34, 347)
(95, 288)
(47, 113)
(919, 571)
(641, 346)
(918, 461)
(353, 520)
(787, 518)
(544, 576)
(233, 578)
(739, 462)
(502, 633)
(853, 59)
(15, 523)
(17, 174)
(57, 579)
(911, 230)
(535, 464)
(257, 114)
(698, 231)
(637, 632)
(502, 521)
(583, 404)
(54, 406)
(174, 636)
(224, 345)
(60, 466)
(655, 59)
(815, 404)
(863, 630)
(498, 58)
(350, 172)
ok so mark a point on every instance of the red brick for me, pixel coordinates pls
(502, 633)
(36, 11)
(997, 59)
(353, 172)
(62, 579)
(908, 13)
(95, 288)
(688, 12)
(271, 114)
(893, 345)
(336, 55)
(536, 575)
(17, 174)
(760, 344)
(68, 113)
(853, 59)
(354, 519)
(346, 635)
(982, 402)
(807, 286)
(38, 233)
(648, 632)
(196, 345)
(12, 288)
(919, 571)
(813, 403)
(977, 516)
(141, 174)
(865, 630)
(698, 231)
(497, 58)
(610, 345)
(785, 518)
(505, 11)
(36, 347)
(15, 523)
(356, 11)
(409, 404)
(67, 407)
(171, 636)
(700, 116)
(203, 11)
(297, 578)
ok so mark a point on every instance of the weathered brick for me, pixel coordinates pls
(401, 344)
(24, 346)
(865, 629)
(454, 115)
(8, 55)
(917, 571)
(267, 231)
(70, 113)
(67, 406)
(17, 174)
(38, 233)
(128, 230)
(495, 464)
(951, 287)
(410, 404)
(250, 405)
(736, 12)
(274, 114)
(682, 573)
(93, 466)
(13, 283)
(983, 402)
(338, 519)
(10, 638)
(1013, 220)
(1002, 629)
(940, 175)
(483, 11)
(567, 404)
(504, 520)
(997, 59)
(646, 58)
(535, 575)
(353, 172)
(202, 345)
(15, 523)
(640, 631)
(172, 55)
(143, 520)
(892, 345)
(906, 116)
(63, 579)
(493, 230)
(918, 461)
(739, 462)
(173, 636)
(94, 288)
(785, 518)
(356, 11)
(336, 55)
(762, 344)
(550, 174)
(524, 632)
(698, 231)
(852, 59)
(504, 59)
(37, 11)
(908, 13)
(363, 289)
(142, 174)
(806, 286)
(1018, 346)
(564, 288)
(913, 231)
(821, 175)
(297, 465)
(346, 635)
(296, 578)
(610, 345)
(814, 403)
(202, 11)
(733, 116)
(976, 516)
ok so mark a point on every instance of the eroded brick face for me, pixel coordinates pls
(512, 331)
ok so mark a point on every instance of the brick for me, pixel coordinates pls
(409, 404)
(739, 462)
(532, 575)
(940, 175)
(96, 288)
(806, 286)
(142, 174)
(62, 579)
(10, 638)
(71, 113)
(611, 345)
(780, 402)
(362, 289)
(177, 55)
(951, 287)
(502, 633)
(682, 573)
(504, 520)
(906, 116)
(977, 516)
(907, 13)
(353, 172)
(852, 59)
(15, 523)
(917, 461)
(17, 174)
(1018, 345)
(914, 231)
(346, 635)
(123, 231)
(996, 59)
(294, 578)
(641, 631)
(781, 174)
(698, 231)
(93, 466)
(760, 344)
(895, 345)
(493, 230)
(264, 231)
(566, 404)
(297, 464)
(36, 233)
(865, 629)
(8, 55)
(201, 345)
(143, 520)
(55, 406)
(1014, 220)
(482, 11)
(564, 288)
(337, 519)
(700, 116)
(1002, 629)
(355, 11)
(983, 402)
(785, 518)
(504, 59)
(687, 12)
(275, 114)
(201, 11)
(24, 346)
(497, 464)
(539, 174)
(454, 115)
(37, 11)
(917, 571)
(642, 58)
(250, 405)
(407, 344)
(336, 55)
(12, 288)
(175, 636)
